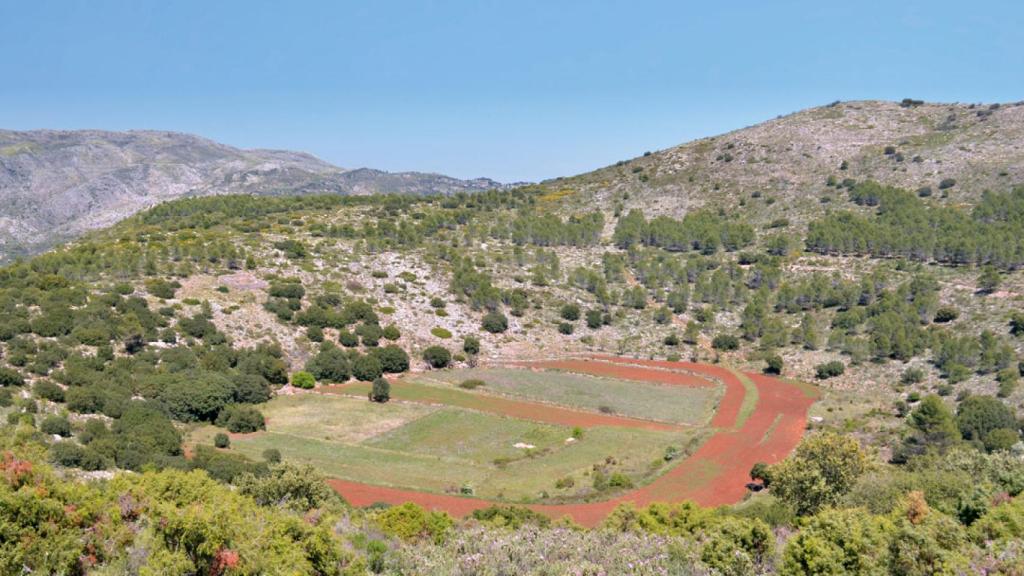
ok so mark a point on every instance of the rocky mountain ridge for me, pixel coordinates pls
(55, 185)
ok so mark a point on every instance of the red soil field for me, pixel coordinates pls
(714, 475)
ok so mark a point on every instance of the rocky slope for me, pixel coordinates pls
(782, 167)
(54, 185)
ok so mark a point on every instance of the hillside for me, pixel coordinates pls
(54, 185)
(781, 168)
(820, 372)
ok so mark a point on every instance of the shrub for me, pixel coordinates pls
(619, 480)
(381, 390)
(662, 315)
(162, 289)
(1001, 439)
(570, 312)
(67, 453)
(293, 487)
(240, 418)
(829, 369)
(393, 359)
(946, 314)
(437, 356)
(761, 472)
(272, 455)
(565, 482)
(331, 364)
(947, 183)
(391, 332)
(471, 383)
(823, 468)
(292, 249)
(315, 334)
(725, 342)
(221, 440)
(494, 322)
(48, 390)
(303, 380)
(225, 466)
(512, 517)
(979, 415)
(9, 377)
(471, 345)
(370, 334)
(565, 328)
(671, 340)
(367, 368)
(251, 389)
(1007, 379)
(348, 339)
(193, 396)
(912, 376)
(773, 364)
(440, 332)
(410, 522)
(57, 425)
(594, 319)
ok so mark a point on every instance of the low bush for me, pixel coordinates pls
(494, 322)
(303, 380)
(221, 440)
(829, 369)
(437, 356)
(725, 342)
(241, 418)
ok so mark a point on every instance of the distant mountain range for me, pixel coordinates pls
(55, 185)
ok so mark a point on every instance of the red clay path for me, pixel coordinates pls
(714, 475)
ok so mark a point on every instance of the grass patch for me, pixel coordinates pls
(441, 449)
(650, 401)
(481, 438)
(750, 398)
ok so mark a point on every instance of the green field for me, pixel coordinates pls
(443, 448)
(649, 401)
(473, 436)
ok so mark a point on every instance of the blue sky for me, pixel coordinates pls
(515, 90)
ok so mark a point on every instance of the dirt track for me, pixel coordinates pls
(714, 475)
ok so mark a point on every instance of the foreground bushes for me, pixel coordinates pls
(169, 522)
(958, 511)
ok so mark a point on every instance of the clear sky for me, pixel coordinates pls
(514, 90)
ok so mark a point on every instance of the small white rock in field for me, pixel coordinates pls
(523, 445)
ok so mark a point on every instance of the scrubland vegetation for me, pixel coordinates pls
(137, 365)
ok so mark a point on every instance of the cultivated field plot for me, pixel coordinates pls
(644, 400)
(535, 434)
(445, 449)
(759, 419)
